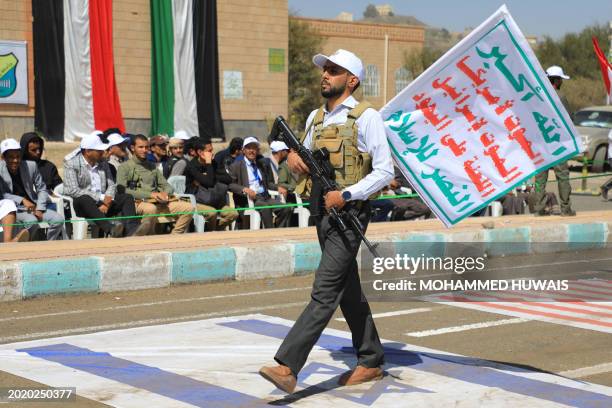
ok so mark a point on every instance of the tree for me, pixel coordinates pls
(574, 53)
(417, 61)
(370, 12)
(304, 77)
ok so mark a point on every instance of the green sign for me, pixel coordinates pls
(276, 59)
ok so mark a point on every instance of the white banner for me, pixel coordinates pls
(13, 72)
(478, 122)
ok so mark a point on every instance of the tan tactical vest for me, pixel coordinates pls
(350, 165)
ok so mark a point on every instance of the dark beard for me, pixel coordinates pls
(333, 92)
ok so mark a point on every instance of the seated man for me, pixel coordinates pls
(287, 182)
(224, 158)
(188, 150)
(280, 151)
(406, 208)
(117, 152)
(512, 203)
(32, 147)
(143, 181)
(21, 182)
(92, 186)
(381, 209)
(176, 163)
(253, 178)
(8, 217)
(210, 192)
(158, 151)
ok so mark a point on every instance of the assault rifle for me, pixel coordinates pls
(320, 169)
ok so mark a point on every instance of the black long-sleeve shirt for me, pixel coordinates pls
(198, 174)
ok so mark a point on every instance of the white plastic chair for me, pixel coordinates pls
(59, 203)
(79, 224)
(495, 209)
(405, 190)
(303, 213)
(254, 216)
(178, 183)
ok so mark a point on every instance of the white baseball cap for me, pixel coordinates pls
(343, 58)
(115, 139)
(9, 144)
(556, 71)
(181, 134)
(250, 140)
(93, 142)
(175, 142)
(278, 146)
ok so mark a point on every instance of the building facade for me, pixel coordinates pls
(252, 40)
(253, 65)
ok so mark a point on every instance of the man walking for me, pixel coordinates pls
(363, 167)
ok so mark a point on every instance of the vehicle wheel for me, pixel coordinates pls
(599, 160)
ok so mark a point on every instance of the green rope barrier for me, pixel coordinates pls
(289, 205)
(118, 218)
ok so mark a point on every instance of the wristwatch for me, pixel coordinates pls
(346, 195)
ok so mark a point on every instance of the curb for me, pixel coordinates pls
(25, 279)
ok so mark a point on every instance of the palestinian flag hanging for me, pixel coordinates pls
(74, 68)
(184, 68)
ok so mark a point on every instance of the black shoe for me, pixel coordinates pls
(117, 231)
(604, 194)
(568, 213)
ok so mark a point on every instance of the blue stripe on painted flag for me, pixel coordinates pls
(177, 387)
(466, 369)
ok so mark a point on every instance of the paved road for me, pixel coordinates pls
(542, 337)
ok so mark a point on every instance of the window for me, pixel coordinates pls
(402, 79)
(593, 118)
(370, 84)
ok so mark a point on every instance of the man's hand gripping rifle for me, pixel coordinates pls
(320, 169)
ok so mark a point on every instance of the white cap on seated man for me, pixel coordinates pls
(278, 146)
(93, 141)
(248, 140)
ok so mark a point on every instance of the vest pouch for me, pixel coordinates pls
(335, 147)
(365, 166)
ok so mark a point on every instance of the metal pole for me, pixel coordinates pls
(386, 69)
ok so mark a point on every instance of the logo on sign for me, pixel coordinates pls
(8, 77)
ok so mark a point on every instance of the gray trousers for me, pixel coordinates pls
(55, 220)
(336, 283)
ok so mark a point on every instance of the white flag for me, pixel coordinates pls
(481, 120)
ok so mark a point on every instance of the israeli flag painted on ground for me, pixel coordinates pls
(478, 122)
(214, 363)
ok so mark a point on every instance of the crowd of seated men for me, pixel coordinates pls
(132, 185)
